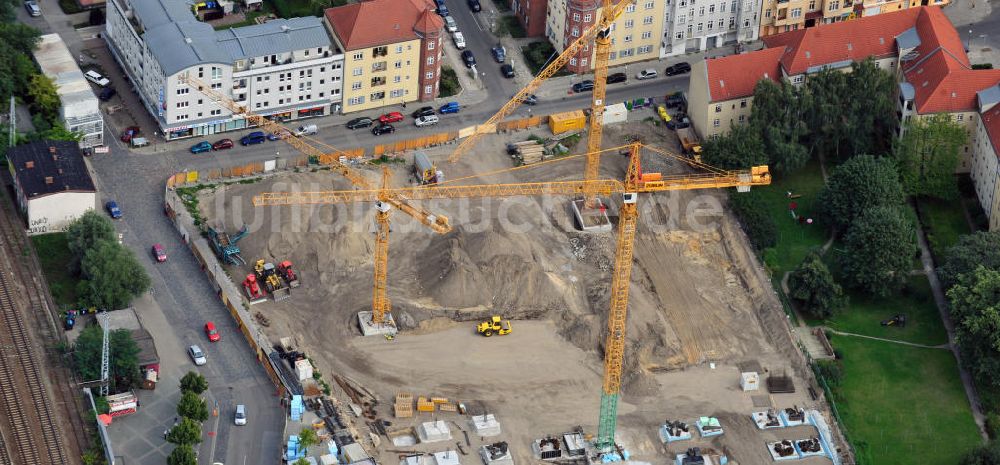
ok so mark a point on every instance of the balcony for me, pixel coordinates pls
(378, 81)
(379, 67)
(380, 51)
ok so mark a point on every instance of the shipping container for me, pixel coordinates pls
(568, 121)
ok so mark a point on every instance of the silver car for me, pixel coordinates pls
(197, 355)
(240, 417)
(33, 8)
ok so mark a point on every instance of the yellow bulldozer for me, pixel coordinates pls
(495, 325)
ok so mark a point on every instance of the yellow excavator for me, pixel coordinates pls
(495, 325)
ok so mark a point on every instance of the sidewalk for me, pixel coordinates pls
(963, 12)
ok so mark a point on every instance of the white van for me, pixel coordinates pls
(307, 130)
(459, 40)
(646, 74)
(96, 78)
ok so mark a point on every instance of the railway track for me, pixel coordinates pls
(33, 435)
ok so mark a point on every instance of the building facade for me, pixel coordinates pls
(721, 89)
(691, 26)
(779, 16)
(635, 36)
(531, 15)
(282, 69)
(985, 171)
(51, 183)
(80, 111)
(393, 51)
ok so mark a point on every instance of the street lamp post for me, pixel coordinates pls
(968, 44)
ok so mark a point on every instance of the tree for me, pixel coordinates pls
(86, 231)
(859, 184)
(301, 461)
(17, 41)
(928, 154)
(124, 368)
(828, 90)
(880, 246)
(740, 149)
(308, 437)
(972, 250)
(975, 309)
(182, 455)
(194, 382)
(187, 432)
(988, 454)
(112, 276)
(758, 225)
(813, 287)
(870, 117)
(193, 407)
(778, 114)
(44, 96)
(55, 131)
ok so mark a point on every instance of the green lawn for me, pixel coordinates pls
(945, 222)
(903, 405)
(864, 315)
(53, 253)
(794, 240)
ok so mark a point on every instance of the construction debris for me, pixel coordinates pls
(709, 426)
(674, 431)
(485, 425)
(496, 454)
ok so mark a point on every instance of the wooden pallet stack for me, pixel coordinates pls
(404, 405)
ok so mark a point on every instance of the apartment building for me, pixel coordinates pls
(531, 15)
(986, 155)
(284, 69)
(721, 90)
(79, 111)
(393, 51)
(695, 26)
(789, 15)
(635, 36)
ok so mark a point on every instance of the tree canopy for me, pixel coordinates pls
(928, 155)
(182, 455)
(978, 249)
(758, 224)
(193, 407)
(124, 357)
(85, 232)
(988, 454)
(740, 149)
(194, 382)
(871, 116)
(880, 245)
(778, 114)
(861, 183)
(812, 286)
(187, 431)
(17, 42)
(975, 309)
(44, 96)
(112, 276)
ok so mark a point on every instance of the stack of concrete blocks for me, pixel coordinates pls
(434, 431)
(796, 417)
(448, 457)
(485, 425)
(749, 381)
(709, 426)
(328, 460)
(353, 452)
(673, 431)
(303, 369)
(411, 460)
(768, 419)
(297, 408)
(497, 453)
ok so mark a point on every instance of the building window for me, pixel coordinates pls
(356, 86)
(429, 75)
(798, 79)
(430, 60)
(711, 9)
(357, 71)
(428, 90)
(649, 5)
(583, 62)
(746, 22)
(647, 34)
(679, 36)
(572, 61)
(182, 117)
(587, 18)
(216, 85)
(700, 27)
(183, 91)
(216, 73)
(834, 5)
(959, 117)
(812, 5)
(732, 23)
(215, 112)
(377, 96)
(796, 12)
(430, 45)
(701, 11)
(576, 16)
(182, 104)
(743, 103)
(715, 123)
(359, 56)
(201, 73)
(743, 117)
(648, 20)
(628, 38)
(575, 32)
(629, 23)
(721, 22)
(710, 25)
(398, 64)
(630, 8)
(399, 49)
(645, 49)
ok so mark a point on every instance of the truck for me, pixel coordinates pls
(689, 142)
(122, 404)
(425, 171)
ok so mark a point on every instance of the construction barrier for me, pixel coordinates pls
(414, 144)
(523, 123)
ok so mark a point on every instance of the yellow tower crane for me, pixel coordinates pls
(439, 223)
(632, 186)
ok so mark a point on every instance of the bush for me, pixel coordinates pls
(510, 26)
(69, 6)
(993, 424)
(537, 54)
(757, 224)
(982, 66)
(830, 371)
(449, 83)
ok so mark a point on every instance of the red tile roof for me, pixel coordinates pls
(991, 120)
(941, 74)
(736, 76)
(852, 40)
(371, 23)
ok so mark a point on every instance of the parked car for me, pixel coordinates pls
(129, 133)
(33, 8)
(112, 207)
(442, 10)
(679, 68)
(459, 40)
(255, 137)
(428, 120)
(679, 122)
(583, 86)
(197, 355)
(96, 78)
(384, 128)
(106, 94)
(159, 253)
(616, 78)
(362, 122)
(507, 70)
(646, 74)
(223, 144)
(211, 332)
(450, 24)
(240, 416)
(423, 111)
(279, 135)
(676, 99)
(499, 53)
(450, 107)
(531, 99)
(468, 58)
(307, 130)
(475, 6)
(393, 117)
(203, 146)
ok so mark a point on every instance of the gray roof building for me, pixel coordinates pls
(273, 37)
(178, 46)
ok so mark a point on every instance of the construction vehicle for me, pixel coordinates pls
(495, 326)
(897, 320)
(252, 289)
(425, 171)
(288, 274)
(225, 246)
(689, 142)
(267, 274)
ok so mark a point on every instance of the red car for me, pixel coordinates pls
(129, 133)
(211, 332)
(391, 117)
(223, 144)
(159, 253)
